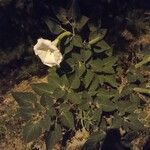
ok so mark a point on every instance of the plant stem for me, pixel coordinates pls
(142, 90)
(144, 61)
(61, 36)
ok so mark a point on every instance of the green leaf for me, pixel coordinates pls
(67, 118)
(77, 57)
(111, 80)
(77, 41)
(108, 64)
(97, 33)
(105, 65)
(26, 113)
(101, 79)
(59, 93)
(105, 94)
(93, 141)
(64, 81)
(133, 77)
(31, 131)
(62, 15)
(94, 85)
(97, 49)
(126, 107)
(53, 26)
(134, 98)
(46, 100)
(54, 80)
(68, 48)
(109, 52)
(71, 63)
(96, 65)
(97, 116)
(127, 90)
(117, 122)
(73, 13)
(86, 54)
(134, 123)
(24, 99)
(88, 78)
(74, 97)
(81, 69)
(107, 105)
(103, 45)
(86, 101)
(81, 23)
(53, 137)
(45, 122)
(76, 82)
(43, 88)
(51, 112)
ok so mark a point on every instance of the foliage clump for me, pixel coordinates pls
(86, 92)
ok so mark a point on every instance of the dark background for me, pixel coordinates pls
(22, 23)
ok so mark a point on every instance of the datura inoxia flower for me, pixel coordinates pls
(48, 52)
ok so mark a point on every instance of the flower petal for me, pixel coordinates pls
(48, 52)
(49, 59)
(42, 44)
(58, 57)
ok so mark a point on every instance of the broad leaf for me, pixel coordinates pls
(54, 80)
(111, 80)
(81, 69)
(105, 104)
(97, 33)
(126, 107)
(53, 26)
(127, 90)
(77, 41)
(102, 45)
(76, 82)
(43, 88)
(68, 48)
(31, 131)
(62, 15)
(117, 122)
(93, 142)
(94, 85)
(101, 79)
(46, 100)
(51, 112)
(133, 77)
(74, 98)
(134, 123)
(59, 93)
(86, 54)
(76, 57)
(88, 78)
(105, 94)
(64, 81)
(54, 136)
(45, 122)
(81, 23)
(67, 119)
(27, 113)
(24, 99)
(97, 65)
(97, 116)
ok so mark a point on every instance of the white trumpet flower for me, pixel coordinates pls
(48, 52)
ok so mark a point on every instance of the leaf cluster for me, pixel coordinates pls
(84, 93)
